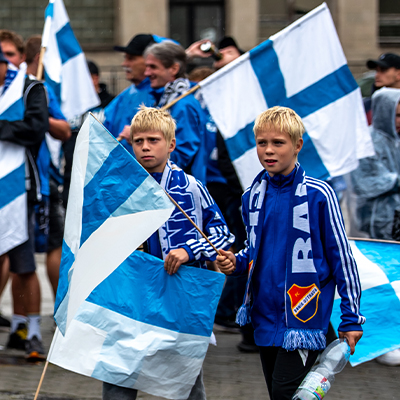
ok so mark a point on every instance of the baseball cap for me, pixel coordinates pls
(3, 59)
(387, 60)
(228, 41)
(137, 45)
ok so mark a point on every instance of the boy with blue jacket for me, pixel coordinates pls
(176, 242)
(296, 254)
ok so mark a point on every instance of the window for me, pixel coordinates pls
(194, 20)
(389, 23)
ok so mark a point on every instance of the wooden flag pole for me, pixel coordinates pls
(190, 91)
(187, 216)
(39, 73)
(41, 380)
(374, 240)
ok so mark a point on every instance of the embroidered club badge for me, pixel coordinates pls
(304, 301)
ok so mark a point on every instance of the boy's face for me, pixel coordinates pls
(276, 151)
(151, 150)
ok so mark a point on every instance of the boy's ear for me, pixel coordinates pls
(172, 145)
(299, 146)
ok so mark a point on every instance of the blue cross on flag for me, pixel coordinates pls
(303, 67)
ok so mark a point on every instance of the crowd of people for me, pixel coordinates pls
(184, 145)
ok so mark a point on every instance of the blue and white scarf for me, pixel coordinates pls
(184, 190)
(304, 318)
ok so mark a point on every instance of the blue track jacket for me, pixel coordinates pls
(332, 257)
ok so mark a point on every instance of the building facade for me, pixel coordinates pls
(366, 28)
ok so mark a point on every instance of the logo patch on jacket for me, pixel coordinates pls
(304, 301)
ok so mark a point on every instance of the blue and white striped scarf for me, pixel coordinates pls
(304, 318)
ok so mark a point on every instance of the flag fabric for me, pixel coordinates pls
(121, 318)
(379, 269)
(66, 69)
(303, 67)
(142, 328)
(111, 195)
(13, 200)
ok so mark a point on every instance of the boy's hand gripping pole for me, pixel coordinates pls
(191, 221)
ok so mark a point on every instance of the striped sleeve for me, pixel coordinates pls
(214, 227)
(340, 257)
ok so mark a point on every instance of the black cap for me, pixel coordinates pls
(3, 59)
(229, 41)
(93, 68)
(387, 60)
(137, 45)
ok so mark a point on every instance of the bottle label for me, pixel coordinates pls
(316, 383)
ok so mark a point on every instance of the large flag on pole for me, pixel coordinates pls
(66, 70)
(13, 201)
(121, 318)
(302, 67)
(142, 328)
(379, 269)
(108, 216)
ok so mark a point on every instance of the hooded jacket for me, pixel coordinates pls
(376, 180)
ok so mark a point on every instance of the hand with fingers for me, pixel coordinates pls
(175, 259)
(352, 338)
(226, 262)
(194, 49)
(126, 134)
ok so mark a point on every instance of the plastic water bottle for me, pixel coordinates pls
(320, 378)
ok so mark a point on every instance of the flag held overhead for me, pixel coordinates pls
(303, 67)
(65, 64)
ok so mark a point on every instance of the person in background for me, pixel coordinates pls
(387, 74)
(101, 89)
(29, 132)
(166, 68)
(225, 188)
(50, 213)
(119, 113)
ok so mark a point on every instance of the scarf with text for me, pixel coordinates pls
(304, 319)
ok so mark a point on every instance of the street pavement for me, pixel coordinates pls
(228, 373)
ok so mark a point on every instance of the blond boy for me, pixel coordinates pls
(176, 242)
(296, 254)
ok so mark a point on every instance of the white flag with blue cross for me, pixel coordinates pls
(66, 69)
(303, 67)
(121, 318)
(379, 270)
(13, 200)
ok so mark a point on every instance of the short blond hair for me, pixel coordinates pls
(150, 119)
(282, 119)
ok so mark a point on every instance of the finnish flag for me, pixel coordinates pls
(66, 70)
(13, 200)
(121, 318)
(303, 67)
(379, 270)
